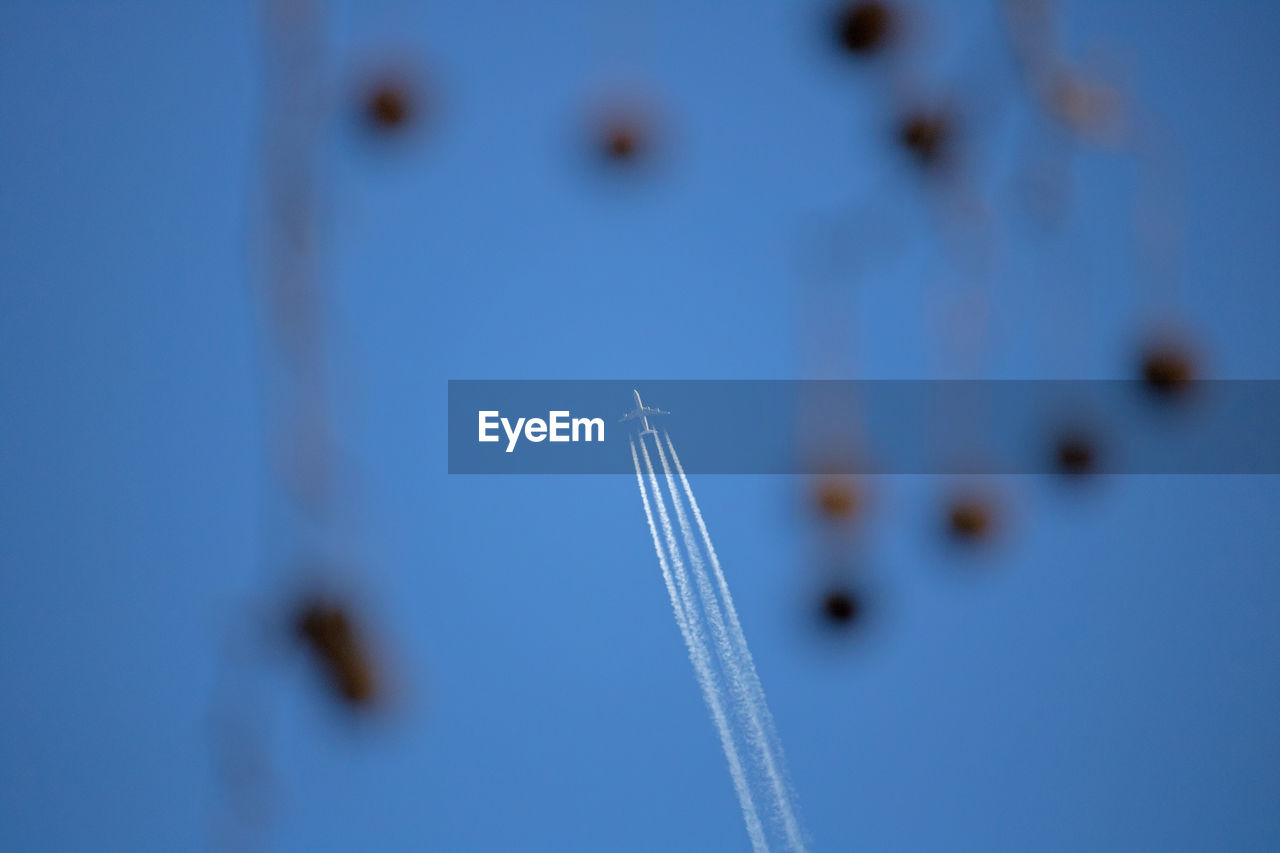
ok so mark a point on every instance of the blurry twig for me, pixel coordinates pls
(1092, 110)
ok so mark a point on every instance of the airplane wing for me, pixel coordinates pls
(637, 413)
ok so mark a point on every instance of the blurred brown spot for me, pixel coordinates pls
(970, 519)
(836, 499)
(623, 140)
(1167, 369)
(389, 106)
(330, 633)
(863, 28)
(926, 136)
(1075, 455)
(1078, 104)
(842, 607)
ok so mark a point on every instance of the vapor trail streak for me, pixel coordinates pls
(686, 618)
(749, 692)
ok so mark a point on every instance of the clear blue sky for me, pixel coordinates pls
(1105, 679)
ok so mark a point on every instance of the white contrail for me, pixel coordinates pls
(686, 618)
(729, 658)
(736, 656)
(746, 704)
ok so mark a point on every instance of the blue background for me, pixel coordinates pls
(1102, 678)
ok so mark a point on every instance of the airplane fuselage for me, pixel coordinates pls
(645, 429)
(642, 412)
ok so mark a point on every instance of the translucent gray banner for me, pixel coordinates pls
(867, 427)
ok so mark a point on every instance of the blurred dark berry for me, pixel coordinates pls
(1167, 369)
(970, 519)
(1075, 455)
(926, 137)
(389, 106)
(329, 632)
(836, 499)
(863, 28)
(622, 140)
(842, 607)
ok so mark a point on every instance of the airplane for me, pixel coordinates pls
(642, 412)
